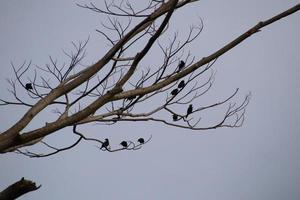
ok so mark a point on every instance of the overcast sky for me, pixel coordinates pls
(257, 161)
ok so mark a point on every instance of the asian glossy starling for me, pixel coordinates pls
(141, 140)
(175, 117)
(28, 86)
(174, 92)
(105, 144)
(181, 84)
(130, 98)
(181, 65)
(189, 110)
(124, 144)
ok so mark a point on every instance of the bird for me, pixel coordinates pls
(130, 98)
(124, 144)
(105, 144)
(175, 117)
(181, 65)
(28, 86)
(189, 110)
(174, 92)
(141, 140)
(181, 84)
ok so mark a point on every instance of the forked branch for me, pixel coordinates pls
(115, 88)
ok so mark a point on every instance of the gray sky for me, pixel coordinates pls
(257, 161)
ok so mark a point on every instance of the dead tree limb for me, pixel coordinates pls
(18, 189)
(114, 85)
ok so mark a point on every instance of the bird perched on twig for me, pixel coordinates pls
(124, 144)
(174, 92)
(141, 140)
(189, 110)
(175, 117)
(28, 86)
(105, 144)
(181, 84)
(181, 65)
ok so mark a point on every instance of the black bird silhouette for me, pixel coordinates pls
(189, 110)
(181, 84)
(181, 65)
(174, 92)
(175, 117)
(141, 140)
(28, 86)
(124, 144)
(105, 144)
(130, 98)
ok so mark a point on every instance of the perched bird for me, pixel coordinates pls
(174, 92)
(181, 84)
(28, 86)
(130, 98)
(124, 144)
(175, 117)
(105, 144)
(189, 110)
(141, 140)
(181, 65)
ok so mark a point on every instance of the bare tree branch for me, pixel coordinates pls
(18, 189)
(114, 89)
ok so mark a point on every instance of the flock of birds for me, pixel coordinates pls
(124, 144)
(188, 112)
(180, 86)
